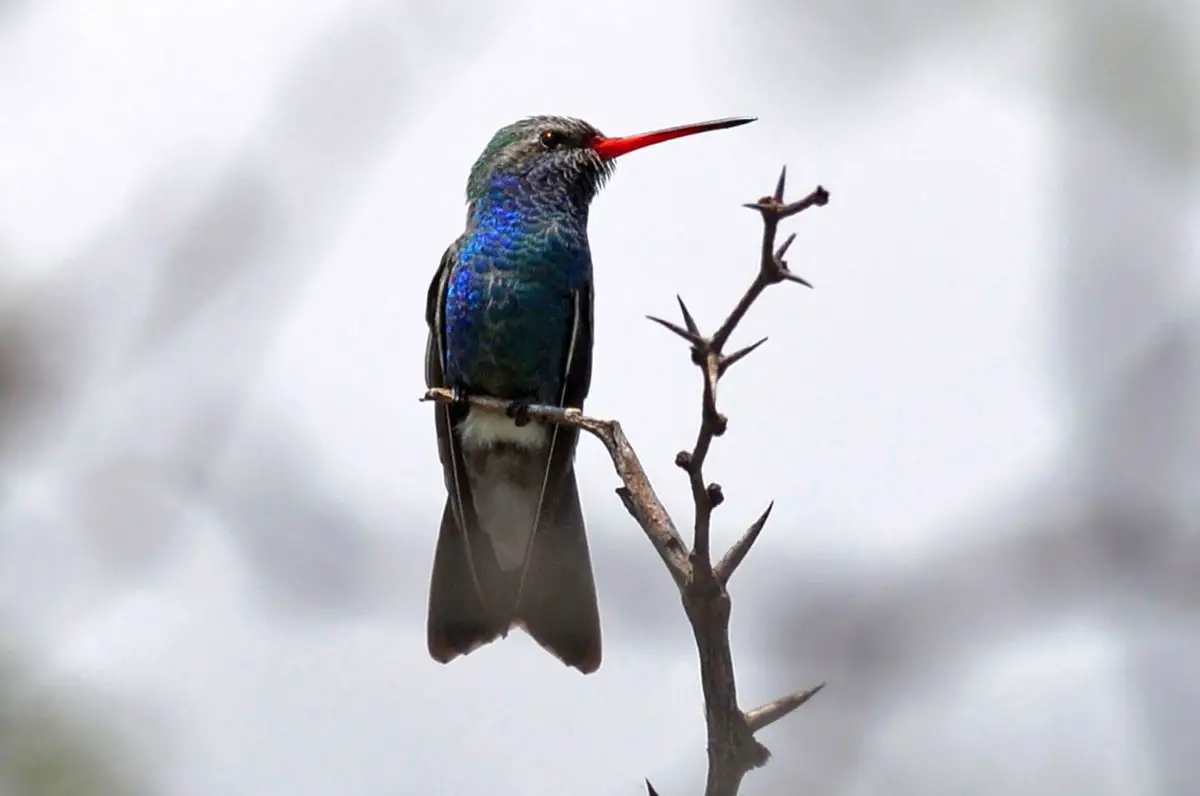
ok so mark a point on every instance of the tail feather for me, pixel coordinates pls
(557, 602)
(557, 597)
(459, 621)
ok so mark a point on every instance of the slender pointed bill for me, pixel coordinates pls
(609, 148)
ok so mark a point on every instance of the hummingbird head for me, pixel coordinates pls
(564, 155)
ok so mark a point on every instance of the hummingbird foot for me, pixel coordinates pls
(518, 410)
(460, 399)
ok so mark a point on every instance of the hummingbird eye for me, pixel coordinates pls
(551, 139)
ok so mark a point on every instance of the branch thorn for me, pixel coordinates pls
(783, 247)
(694, 339)
(768, 714)
(730, 360)
(779, 185)
(733, 559)
(688, 320)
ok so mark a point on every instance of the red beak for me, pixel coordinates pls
(609, 148)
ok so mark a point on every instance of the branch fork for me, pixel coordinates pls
(733, 749)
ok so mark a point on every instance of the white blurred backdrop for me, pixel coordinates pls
(219, 493)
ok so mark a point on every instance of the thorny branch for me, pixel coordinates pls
(732, 748)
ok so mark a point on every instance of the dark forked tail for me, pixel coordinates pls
(557, 602)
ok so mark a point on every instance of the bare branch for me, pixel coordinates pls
(732, 748)
(772, 268)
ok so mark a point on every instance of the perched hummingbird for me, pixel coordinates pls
(510, 316)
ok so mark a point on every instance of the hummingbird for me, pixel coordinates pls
(509, 312)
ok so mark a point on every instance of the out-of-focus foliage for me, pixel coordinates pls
(48, 748)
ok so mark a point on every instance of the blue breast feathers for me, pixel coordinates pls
(509, 302)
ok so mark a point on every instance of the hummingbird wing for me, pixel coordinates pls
(459, 617)
(447, 416)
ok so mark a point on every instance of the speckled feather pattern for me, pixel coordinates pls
(509, 298)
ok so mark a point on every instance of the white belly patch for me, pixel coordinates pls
(483, 429)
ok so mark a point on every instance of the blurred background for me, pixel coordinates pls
(219, 493)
